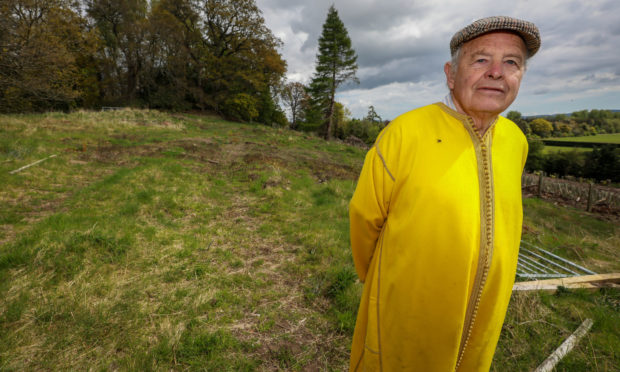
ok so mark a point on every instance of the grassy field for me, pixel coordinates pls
(182, 242)
(599, 138)
(553, 149)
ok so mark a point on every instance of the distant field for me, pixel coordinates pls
(599, 138)
(548, 149)
(613, 138)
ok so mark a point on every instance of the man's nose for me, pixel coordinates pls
(495, 70)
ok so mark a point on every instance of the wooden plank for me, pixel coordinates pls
(584, 281)
(565, 348)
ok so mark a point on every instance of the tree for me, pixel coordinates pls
(241, 59)
(336, 63)
(296, 99)
(123, 26)
(516, 117)
(535, 156)
(44, 49)
(341, 116)
(604, 163)
(541, 127)
(372, 115)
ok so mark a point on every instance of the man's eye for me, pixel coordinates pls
(512, 62)
(481, 60)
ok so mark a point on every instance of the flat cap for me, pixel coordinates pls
(527, 30)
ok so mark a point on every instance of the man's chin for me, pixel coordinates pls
(494, 107)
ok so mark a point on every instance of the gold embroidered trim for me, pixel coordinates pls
(381, 155)
(379, 300)
(360, 360)
(371, 350)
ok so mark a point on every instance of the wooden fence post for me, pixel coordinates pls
(590, 197)
(540, 184)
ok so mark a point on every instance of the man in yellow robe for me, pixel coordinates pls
(436, 216)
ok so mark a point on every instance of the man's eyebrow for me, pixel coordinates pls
(484, 52)
(513, 55)
(478, 52)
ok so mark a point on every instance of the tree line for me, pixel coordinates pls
(579, 123)
(215, 55)
(169, 54)
(181, 55)
(602, 163)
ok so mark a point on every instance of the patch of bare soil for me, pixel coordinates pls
(203, 150)
(325, 170)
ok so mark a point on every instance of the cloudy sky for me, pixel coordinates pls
(402, 46)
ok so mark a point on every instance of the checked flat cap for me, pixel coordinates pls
(527, 30)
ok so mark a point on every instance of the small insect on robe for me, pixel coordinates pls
(435, 229)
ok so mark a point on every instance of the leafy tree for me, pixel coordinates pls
(241, 55)
(296, 99)
(123, 26)
(535, 157)
(516, 117)
(560, 117)
(541, 127)
(580, 116)
(564, 163)
(373, 116)
(561, 129)
(363, 129)
(603, 163)
(269, 112)
(341, 115)
(44, 56)
(336, 63)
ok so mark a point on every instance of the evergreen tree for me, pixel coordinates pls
(336, 63)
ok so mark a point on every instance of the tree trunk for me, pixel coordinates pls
(330, 119)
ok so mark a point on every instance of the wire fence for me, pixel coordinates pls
(537, 263)
(582, 195)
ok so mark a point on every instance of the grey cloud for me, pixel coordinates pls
(580, 41)
(412, 69)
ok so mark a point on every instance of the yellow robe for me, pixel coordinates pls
(435, 229)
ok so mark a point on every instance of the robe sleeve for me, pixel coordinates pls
(368, 209)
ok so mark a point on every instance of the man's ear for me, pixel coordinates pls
(447, 68)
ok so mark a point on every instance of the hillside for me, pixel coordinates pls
(172, 242)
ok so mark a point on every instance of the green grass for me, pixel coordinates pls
(184, 242)
(537, 323)
(553, 149)
(599, 138)
(574, 234)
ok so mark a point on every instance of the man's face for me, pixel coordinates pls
(489, 72)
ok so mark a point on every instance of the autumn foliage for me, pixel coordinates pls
(215, 55)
